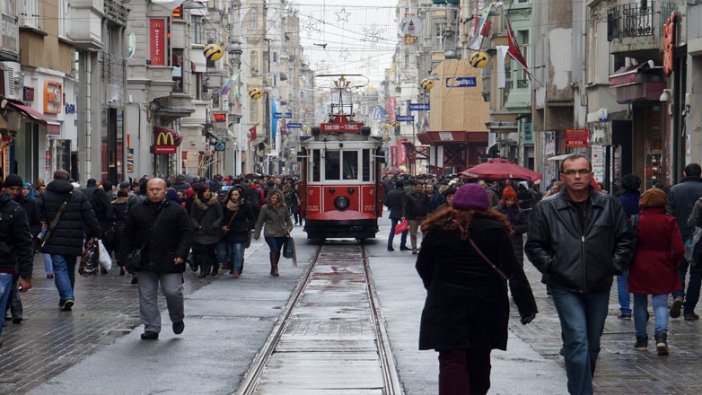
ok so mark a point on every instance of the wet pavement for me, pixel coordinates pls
(96, 348)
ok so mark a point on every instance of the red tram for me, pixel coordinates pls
(341, 191)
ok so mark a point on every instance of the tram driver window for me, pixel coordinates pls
(315, 165)
(350, 165)
(332, 165)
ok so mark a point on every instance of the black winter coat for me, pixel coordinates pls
(570, 258)
(241, 226)
(101, 205)
(467, 306)
(520, 223)
(207, 220)
(30, 207)
(172, 237)
(393, 201)
(681, 200)
(15, 239)
(415, 205)
(79, 217)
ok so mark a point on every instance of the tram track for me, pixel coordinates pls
(330, 337)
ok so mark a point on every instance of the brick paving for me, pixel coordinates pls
(620, 369)
(50, 341)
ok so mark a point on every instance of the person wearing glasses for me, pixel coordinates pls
(579, 239)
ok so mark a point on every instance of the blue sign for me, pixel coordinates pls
(294, 125)
(461, 82)
(278, 115)
(419, 107)
(404, 118)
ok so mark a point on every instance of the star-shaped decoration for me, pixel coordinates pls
(342, 15)
(310, 26)
(372, 34)
(322, 66)
(345, 54)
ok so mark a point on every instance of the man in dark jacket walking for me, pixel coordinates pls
(65, 241)
(15, 249)
(393, 201)
(164, 232)
(415, 208)
(578, 240)
(681, 200)
(101, 204)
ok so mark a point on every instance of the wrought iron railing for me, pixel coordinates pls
(638, 19)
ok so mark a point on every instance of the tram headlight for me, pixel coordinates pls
(342, 203)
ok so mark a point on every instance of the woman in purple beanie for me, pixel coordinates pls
(466, 263)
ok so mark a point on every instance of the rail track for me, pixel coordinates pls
(330, 338)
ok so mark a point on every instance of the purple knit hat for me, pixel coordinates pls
(471, 197)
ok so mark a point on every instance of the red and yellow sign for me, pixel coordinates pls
(577, 138)
(53, 96)
(157, 34)
(669, 44)
(166, 140)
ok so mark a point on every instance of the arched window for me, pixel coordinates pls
(253, 61)
(253, 22)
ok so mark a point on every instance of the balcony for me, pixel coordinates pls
(86, 35)
(637, 31)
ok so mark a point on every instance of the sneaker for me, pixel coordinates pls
(17, 320)
(623, 316)
(178, 327)
(67, 305)
(675, 308)
(691, 316)
(641, 343)
(148, 335)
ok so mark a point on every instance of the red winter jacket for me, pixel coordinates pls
(659, 248)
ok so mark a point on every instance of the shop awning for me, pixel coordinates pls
(29, 112)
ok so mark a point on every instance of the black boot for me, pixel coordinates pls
(275, 256)
(641, 343)
(215, 269)
(204, 271)
(661, 343)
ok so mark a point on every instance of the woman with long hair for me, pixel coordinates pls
(236, 226)
(466, 263)
(206, 214)
(276, 218)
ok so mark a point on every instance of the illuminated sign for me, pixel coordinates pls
(219, 117)
(157, 30)
(165, 141)
(351, 127)
(53, 95)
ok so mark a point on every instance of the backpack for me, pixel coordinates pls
(255, 198)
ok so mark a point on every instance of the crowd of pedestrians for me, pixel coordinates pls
(172, 223)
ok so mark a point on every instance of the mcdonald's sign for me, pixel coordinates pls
(166, 140)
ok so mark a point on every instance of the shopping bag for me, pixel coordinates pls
(89, 260)
(104, 256)
(289, 250)
(402, 226)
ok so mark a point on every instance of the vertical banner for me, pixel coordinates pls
(157, 34)
(501, 53)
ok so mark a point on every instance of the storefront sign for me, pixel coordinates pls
(165, 141)
(461, 82)
(528, 133)
(598, 162)
(157, 30)
(53, 94)
(70, 108)
(576, 138)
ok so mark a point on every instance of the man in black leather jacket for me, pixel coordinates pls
(578, 239)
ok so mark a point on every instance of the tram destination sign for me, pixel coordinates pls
(351, 127)
(419, 107)
(294, 125)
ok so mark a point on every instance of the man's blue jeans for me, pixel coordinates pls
(582, 319)
(5, 290)
(64, 275)
(693, 288)
(623, 294)
(660, 311)
(403, 238)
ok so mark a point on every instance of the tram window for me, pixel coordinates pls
(366, 165)
(350, 165)
(332, 165)
(315, 165)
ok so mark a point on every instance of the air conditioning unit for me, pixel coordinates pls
(12, 75)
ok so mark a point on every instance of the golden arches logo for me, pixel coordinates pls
(165, 138)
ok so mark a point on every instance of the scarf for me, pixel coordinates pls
(204, 206)
(231, 206)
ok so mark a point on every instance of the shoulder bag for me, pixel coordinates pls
(134, 258)
(55, 222)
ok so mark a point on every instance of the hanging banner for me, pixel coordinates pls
(157, 34)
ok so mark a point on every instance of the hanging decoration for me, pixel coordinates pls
(342, 15)
(213, 52)
(479, 59)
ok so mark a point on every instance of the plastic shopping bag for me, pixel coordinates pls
(402, 226)
(105, 260)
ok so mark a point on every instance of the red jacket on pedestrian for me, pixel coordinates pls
(659, 248)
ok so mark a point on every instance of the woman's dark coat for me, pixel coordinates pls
(172, 237)
(120, 208)
(467, 306)
(241, 226)
(520, 223)
(207, 222)
(79, 218)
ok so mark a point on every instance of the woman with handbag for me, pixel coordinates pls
(276, 218)
(238, 222)
(466, 262)
(206, 214)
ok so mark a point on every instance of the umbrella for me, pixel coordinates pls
(500, 169)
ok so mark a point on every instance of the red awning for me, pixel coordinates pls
(447, 137)
(29, 112)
